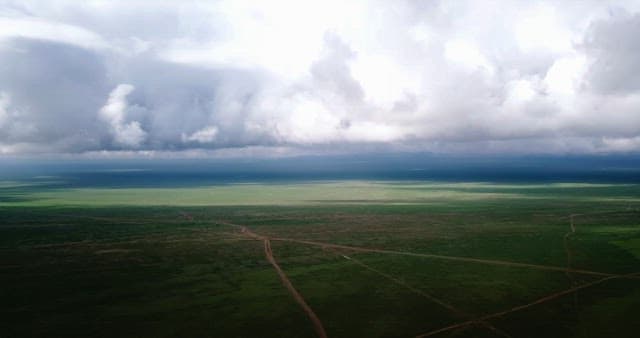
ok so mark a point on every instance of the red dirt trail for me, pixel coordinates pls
(317, 324)
(569, 252)
(452, 258)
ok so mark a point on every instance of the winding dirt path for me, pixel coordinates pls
(567, 247)
(569, 252)
(317, 324)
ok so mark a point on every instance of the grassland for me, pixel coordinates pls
(371, 259)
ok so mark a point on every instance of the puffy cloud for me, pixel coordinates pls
(4, 108)
(114, 112)
(204, 135)
(451, 76)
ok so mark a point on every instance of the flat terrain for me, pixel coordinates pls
(335, 259)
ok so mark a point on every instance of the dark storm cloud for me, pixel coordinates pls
(53, 91)
(179, 100)
(56, 90)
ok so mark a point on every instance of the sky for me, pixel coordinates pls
(271, 78)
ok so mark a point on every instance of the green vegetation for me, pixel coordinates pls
(166, 263)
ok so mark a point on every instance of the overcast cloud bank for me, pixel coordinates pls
(441, 76)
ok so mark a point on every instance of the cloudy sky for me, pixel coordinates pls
(250, 77)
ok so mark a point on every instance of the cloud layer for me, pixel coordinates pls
(442, 76)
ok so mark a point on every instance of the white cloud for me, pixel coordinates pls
(373, 132)
(204, 135)
(441, 76)
(467, 55)
(384, 81)
(114, 112)
(565, 74)
(35, 28)
(4, 108)
(520, 91)
(539, 27)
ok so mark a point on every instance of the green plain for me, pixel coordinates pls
(163, 262)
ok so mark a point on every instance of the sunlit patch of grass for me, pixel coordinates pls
(356, 192)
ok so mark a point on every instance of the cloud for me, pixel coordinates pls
(114, 113)
(35, 28)
(615, 52)
(4, 108)
(204, 135)
(442, 76)
(54, 91)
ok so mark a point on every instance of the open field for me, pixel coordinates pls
(367, 259)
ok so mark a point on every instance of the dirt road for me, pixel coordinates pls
(317, 324)
(407, 286)
(522, 307)
(569, 251)
(447, 306)
(449, 258)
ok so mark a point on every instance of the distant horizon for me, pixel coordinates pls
(381, 166)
